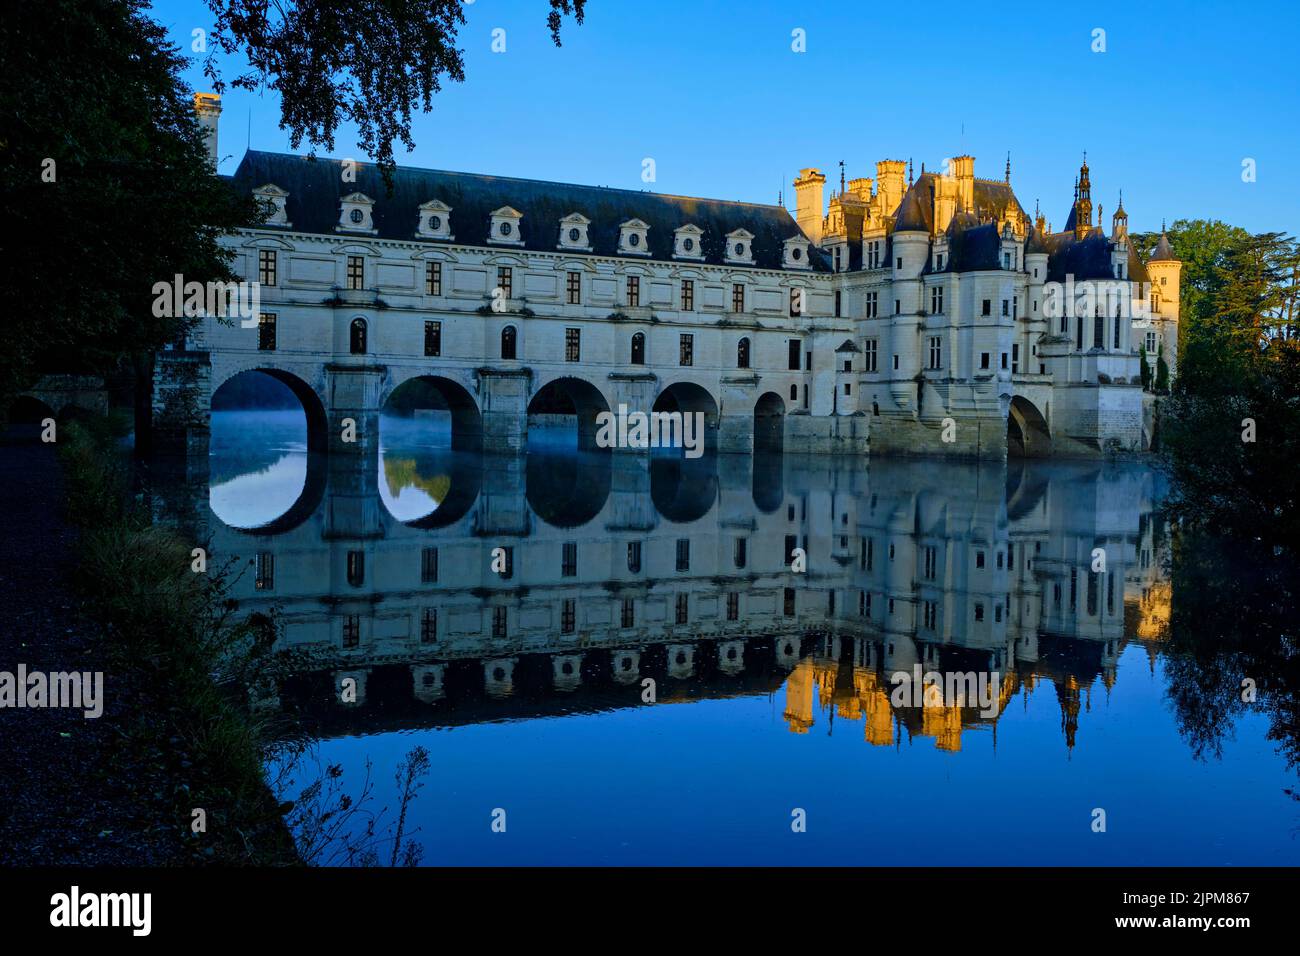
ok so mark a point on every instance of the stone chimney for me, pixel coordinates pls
(208, 108)
(963, 169)
(809, 204)
(889, 183)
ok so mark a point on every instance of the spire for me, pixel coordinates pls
(1008, 177)
(909, 170)
(841, 177)
(1083, 202)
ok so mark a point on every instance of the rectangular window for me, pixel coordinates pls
(266, 267)
(573, 285)
(569, 560)
(506, 281)
(1006, 308)
(429, 625)
(429, 566)
(352, 630)
(1004, 359)
(1006, 260)
(733, 606)
(356, 272)
(795, 350)
(936, 300)
(634, 556)
(432, 338)
(931, 563)
(433, 278)
(791, 542)
(683, 554)
(936, 352)
(686, 354)
(873, 305)
(572, 345)
(568, 615)
(683, 609)
(986, 307)
(633, 291)
(499, 621)
(898, 306)
(688, 295)
(788, 603)
(979, 611)
(266, 331)
(838, 302)
(264, 578)
(508, 570)
(984, 360)
(1015, 357)
(737, 297)
(628, 617)
(871, 351)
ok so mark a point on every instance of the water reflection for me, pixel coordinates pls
(618, 574)
(258, 465)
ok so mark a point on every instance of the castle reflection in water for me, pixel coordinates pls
(622, 568)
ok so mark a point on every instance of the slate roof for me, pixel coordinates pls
(316, 186)
(1163, 252)
(1087, 258)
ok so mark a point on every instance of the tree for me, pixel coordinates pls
(369, 62)
(1146, 369)
(105, 174)
(1162, 371)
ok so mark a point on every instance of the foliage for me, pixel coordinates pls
(93, 87)
(1232, 426)
(366, 62)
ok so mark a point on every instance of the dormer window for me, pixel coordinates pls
(355, 214)
(505, 227)
(277, 199)
(435, 220)
(739, 249)
(687, 242)
(573, 232)
(795, 253)
(634, 238)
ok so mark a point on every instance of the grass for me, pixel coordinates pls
(192, 661)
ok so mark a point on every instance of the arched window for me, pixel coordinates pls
(638, 348)
(357, 337)
(794, 393)
(742, 353)
(508, 336)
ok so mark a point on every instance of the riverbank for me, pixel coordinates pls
(96, 588)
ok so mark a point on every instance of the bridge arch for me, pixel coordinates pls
(1027, 433)
(234, 458)
(769, 423)
(444, 403)
(691, 398)
(567, 402)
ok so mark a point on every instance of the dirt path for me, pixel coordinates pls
(71, 791)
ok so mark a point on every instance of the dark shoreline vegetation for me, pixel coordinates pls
(175, 633)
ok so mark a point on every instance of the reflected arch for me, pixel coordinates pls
(683, 489)
(563, 414)
(688, 398)
(1027, 432)
(443, 408)
(567, 489)
(267, 465)
(24, 418)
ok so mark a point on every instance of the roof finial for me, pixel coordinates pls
(1162, 227)
(1008, 166)
(909, 170)
(841, 177)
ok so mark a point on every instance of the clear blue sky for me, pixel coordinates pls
(713, 93)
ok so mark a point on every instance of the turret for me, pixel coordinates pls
(208, 108)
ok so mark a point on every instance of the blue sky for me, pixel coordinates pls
(712, 91)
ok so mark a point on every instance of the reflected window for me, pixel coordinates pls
(429, 625)
(352, 630)
(628, 617)
(788, 604)
(572, 345)
(683, 554)
(979, 611)
(429, 566)
(356, 568)
(638, 348)
(569, 560)
(568, 616)
(499, 621)
(264, 578)
(683, 608)
(357, 337)
(742, 353)
(508, 337)
(733, 606)
(740, 552)
(634, 556)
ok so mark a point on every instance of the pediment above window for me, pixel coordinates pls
(505, 227)
(740, 248)
(435, 220)
(355, 214)
(278, 200)
(573, 232)
(634, 238)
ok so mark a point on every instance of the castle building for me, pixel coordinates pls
(904, 316)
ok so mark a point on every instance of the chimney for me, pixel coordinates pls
(809, 205)
(963, 168)
(208, 108)
(889, 183)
